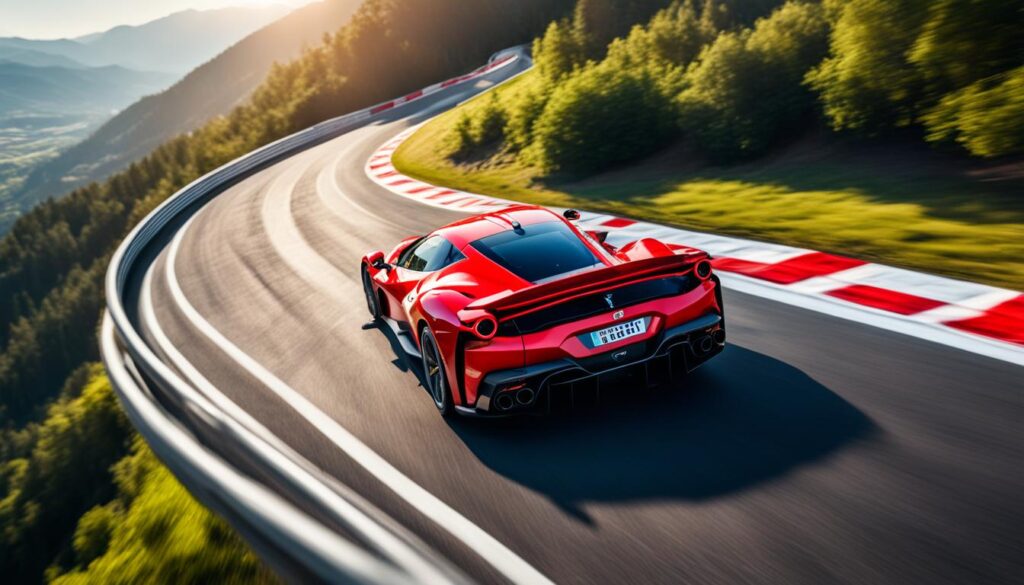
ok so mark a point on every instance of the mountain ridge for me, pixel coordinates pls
(155, 45)
(208, 91)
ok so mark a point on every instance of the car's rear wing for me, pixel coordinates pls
(511, 304)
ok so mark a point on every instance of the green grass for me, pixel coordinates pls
(889, 204)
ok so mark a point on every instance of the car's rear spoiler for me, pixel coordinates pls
(509, 304)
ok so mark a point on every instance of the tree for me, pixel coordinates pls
(963, 41)
(986, 117)
(866, 83)
(745, 92)
(600, 117)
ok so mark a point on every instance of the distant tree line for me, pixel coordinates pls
(735, 79)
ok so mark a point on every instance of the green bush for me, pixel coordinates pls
(490, 125)
(986, 117)
(866, 83)
(745, 94)
(460, 142)
(476, 129)
(93, 534)
(964, 41)
(602, 116)
(945, 64)
(523, 111)
(557, 52)
(672, 39)
(66, 472)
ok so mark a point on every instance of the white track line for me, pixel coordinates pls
(313, 480)
(475, 538)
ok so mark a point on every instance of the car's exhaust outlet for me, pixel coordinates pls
(504, 401)
(524, 396)
(719, 336)
(706, 344)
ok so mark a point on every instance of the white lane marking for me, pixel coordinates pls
(259, 438)
(288, 242)
(341, 556)
(327, 182)
(475, 538)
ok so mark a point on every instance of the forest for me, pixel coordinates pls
(736, 79)
(59, 420)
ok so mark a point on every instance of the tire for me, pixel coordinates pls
(372, 303)
(434, 374)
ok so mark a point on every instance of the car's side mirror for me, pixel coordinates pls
(377, 261)
(571, 214)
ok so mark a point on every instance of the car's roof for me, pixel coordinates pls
(463, 232)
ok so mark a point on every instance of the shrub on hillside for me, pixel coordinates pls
(522, 113)
(672, 39)
(745, 91)
(986, 117)
(570, 43)
(75, 446)
(600, 117)
(477, 128)
(866, 84)
(946, 64)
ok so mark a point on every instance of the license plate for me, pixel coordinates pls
(617, 332)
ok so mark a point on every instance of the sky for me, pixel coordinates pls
(50, 19)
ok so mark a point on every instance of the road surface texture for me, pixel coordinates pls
(813, 450)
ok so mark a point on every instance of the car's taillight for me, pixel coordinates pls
(703, 270)
(485, 327)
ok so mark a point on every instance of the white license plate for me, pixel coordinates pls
(617, 332)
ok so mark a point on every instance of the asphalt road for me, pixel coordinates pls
(813, 450)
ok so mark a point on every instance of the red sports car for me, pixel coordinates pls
(519, 309)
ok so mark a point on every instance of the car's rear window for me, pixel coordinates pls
(538, 252)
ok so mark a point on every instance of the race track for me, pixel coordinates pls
(814, 450)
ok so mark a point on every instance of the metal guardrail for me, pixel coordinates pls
(294, 543)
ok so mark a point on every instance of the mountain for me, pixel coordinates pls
(54, 93)
(174, 44)
(15, 49)
(25, 88)
(46, 108)
(158, 46)
(36, 58)
(211, 90)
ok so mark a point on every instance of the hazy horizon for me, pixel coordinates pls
(60, 19)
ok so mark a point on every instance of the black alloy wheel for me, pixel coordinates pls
(433, 372)
(371, 297)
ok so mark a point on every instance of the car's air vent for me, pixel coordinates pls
(595, 304)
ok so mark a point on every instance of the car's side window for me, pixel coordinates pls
(451, 257)
(433, 253)
(426, 254)
(403, 258)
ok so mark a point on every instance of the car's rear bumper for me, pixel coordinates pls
(539, 387)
